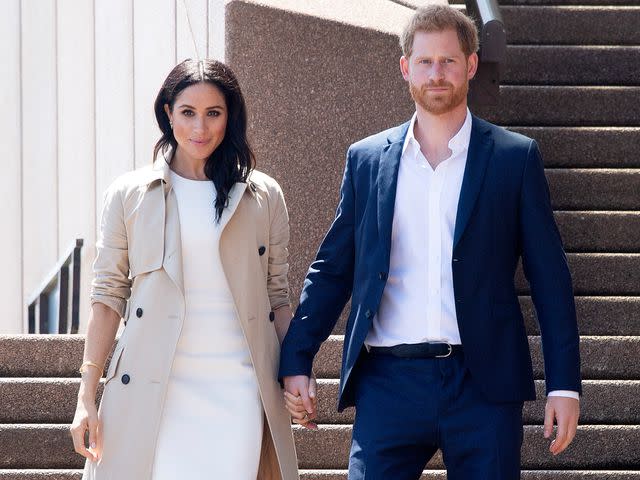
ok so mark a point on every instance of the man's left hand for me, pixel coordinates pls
(565, 411)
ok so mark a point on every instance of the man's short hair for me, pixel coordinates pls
(437, 18)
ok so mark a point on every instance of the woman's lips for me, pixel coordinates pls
(199, 142)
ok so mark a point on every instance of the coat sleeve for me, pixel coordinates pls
(111, 283)
(278, 267)
(326, 288)
(545, 266)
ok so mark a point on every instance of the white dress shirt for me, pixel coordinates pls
(418, 302)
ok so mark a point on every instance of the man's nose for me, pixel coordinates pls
(436, 72)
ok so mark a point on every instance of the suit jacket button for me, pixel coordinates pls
(272, 316)
(139, 312)
(382, 275)
(125, 379)
(368, 314)
(261, 250)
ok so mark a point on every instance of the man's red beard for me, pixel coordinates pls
(441, 103)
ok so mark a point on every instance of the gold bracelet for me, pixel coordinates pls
(88, 363)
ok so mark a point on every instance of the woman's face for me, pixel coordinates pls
(199, 120)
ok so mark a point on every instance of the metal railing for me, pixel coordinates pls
(485, 87)
(55, 305)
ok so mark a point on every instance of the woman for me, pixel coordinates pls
(193, 255)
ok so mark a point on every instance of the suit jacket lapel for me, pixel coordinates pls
(388, 182)
(480, 148)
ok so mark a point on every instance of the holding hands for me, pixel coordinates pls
(300, 399)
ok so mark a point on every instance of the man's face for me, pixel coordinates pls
(438, 71)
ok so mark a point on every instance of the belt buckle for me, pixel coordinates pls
(448, 354)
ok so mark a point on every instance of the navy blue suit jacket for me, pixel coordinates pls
(504, 214)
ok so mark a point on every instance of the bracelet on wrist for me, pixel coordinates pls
(88, 363)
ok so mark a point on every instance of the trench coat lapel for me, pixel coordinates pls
(172, 242)
(235, 195)
(172, 259)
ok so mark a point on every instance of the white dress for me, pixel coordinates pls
(211, 425)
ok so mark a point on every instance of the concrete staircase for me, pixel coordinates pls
(572, 81)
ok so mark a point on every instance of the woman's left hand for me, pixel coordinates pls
(298, 413)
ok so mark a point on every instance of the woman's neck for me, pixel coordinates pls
(188, 167)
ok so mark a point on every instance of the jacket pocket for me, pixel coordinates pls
(113, 364)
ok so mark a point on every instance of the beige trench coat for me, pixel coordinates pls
(138, 273)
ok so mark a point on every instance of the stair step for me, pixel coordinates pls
(41, 474)
(603, 358)
(594, 188)
(59, 355)
(596, 316)
(595, 446)
(598, 274)
(611, 232)
(597, 3)
(342, 475)
(608, 402)
(572, 25)
(572, 65)
(48, 355)
(564, 106)
(584, 147)
(41, 400)
(525, 475)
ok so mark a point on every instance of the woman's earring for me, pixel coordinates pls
(171, 124)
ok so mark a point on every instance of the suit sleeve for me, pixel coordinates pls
(545, 266)
(326, 289)
(111, 283)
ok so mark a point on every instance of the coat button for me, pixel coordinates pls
(382, 275)
(272, 316)
(139, 312)
(368, 314)
(261, 250)
(455, 260)
(125, 378)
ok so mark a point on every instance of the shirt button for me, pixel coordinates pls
(139, 312)
(125, 379)
(272, 316)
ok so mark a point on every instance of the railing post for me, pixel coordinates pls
(485, 87)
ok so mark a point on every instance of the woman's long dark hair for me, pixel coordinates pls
(233, 160)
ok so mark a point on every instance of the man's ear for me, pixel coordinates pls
(404, 67)
(472, 65)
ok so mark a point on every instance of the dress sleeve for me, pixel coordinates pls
(111, 283)
(278, 268)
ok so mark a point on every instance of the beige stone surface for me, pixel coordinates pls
(379, 15)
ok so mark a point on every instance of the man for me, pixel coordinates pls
(433, 218)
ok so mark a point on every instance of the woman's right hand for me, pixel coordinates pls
(86, 419)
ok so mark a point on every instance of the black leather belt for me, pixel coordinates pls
(419, 350)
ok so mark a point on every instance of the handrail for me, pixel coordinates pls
(56, 291)
(485, 87)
